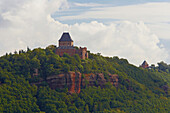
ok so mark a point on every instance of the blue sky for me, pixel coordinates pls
(78, 7)
(120, 2)
(76, 10)
(133, 29)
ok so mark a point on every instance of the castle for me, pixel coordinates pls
(66, 46)
(144, 65)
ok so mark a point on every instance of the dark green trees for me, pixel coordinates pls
(139, 90)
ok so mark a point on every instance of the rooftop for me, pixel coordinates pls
(65, 47)
(65, 37)
(144, 63)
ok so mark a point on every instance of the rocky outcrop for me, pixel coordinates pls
(113, 79)
(92, 80)
(71, 80)
(74, 82)
(99, 80)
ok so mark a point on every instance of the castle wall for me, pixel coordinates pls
(70, 52)
(66, 46)
(65, 43)
(82, 52)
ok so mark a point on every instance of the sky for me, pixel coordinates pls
(137, 30)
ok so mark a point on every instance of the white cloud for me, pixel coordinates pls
(88, 4)
(133, 41)
(161, 29)
(149, 12)
(30, 24)
(152, 14)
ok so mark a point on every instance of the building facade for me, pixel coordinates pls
(144, 65)
(66, 46)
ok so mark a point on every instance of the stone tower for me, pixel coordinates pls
(66, 46)
(65, 40)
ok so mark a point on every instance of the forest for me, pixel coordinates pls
(139, 90)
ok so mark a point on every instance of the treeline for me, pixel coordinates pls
(162, 70)
(139, 90)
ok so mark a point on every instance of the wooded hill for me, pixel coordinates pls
(139, 90)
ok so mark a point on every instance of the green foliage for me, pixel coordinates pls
(16, 95)
(139, 90)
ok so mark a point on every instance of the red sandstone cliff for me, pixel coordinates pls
(99, 80)
(74, 81)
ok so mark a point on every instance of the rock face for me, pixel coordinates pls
(99, 80)
(71, 80)
(74, 82)
(114, 79)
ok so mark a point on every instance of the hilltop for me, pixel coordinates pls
(25, 86)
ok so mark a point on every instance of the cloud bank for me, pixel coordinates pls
(156, 15)
(29, 23)
(149, 12)
(133, 41)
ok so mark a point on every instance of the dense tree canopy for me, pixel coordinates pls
(139, 90)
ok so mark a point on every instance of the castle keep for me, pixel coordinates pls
(66, 46)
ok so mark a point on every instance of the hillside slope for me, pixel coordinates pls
(138, 90)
